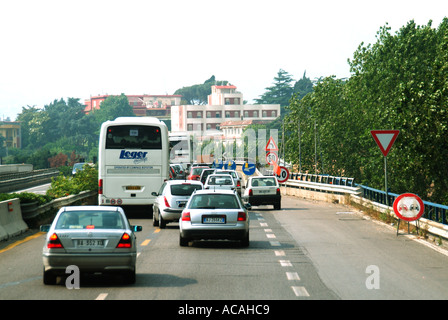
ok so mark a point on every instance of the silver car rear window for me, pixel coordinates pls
(184, 189)
(214, 201)
(90, 220)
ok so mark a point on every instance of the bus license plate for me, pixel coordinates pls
(133, 187)
(91, 243)
(214, 219)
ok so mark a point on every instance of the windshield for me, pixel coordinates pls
(214, 201)
(90, 220)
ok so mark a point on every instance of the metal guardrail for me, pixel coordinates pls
(343, 185)
(10, 182)
(433, 211)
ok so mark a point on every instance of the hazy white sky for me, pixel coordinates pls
(52, 49)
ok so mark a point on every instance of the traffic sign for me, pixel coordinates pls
(408, 207)
(271, 146)
(217, 164)
(385, 139)
(249, 168)
(230, 165)
(284, 175)
(271, 157)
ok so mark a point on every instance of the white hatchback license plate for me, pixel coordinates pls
(214, 219)
(91, 243)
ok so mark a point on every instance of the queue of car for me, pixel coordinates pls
(207, 203)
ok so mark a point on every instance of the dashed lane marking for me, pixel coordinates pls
(285, 263)
(292, 276)
(101, 296)
(300, 291)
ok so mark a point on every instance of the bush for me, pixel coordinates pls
(26, 197)
(83, 180)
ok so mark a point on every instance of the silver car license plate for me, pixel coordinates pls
(91, 243)
(181, 204)
(214, 219)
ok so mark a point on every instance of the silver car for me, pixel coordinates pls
(171, 200)
(93, 238)
(216, 214)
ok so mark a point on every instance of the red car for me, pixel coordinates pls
(195, 172)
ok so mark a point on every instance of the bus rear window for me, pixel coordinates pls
(133, 137)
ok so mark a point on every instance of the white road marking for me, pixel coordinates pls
(263, 224)
(292, 276)
(285, 263)
(267, 230)
(279, 253)
(300, 291)
(101, 296)
(270, 236)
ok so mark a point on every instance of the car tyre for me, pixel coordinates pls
(278, 206)
(162, 222)
(130, 277)
(155, 223)
(245, 240)
(49, 278)
(183, 242)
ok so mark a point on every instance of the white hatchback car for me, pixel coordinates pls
(216, 214)
(261, 190)
(220, 182)
(171, 200)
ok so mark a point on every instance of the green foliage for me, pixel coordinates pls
(83, 180)
(400, 82)
(198, 94)
(26, 197)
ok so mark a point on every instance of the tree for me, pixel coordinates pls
(280, 92)
(113, 107)
(198, 94)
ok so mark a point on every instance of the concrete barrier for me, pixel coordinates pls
(11, 222)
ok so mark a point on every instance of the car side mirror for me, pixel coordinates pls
(136, 228)
(248, 206)
(155, 194)
(45, 227)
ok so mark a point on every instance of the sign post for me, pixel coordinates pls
(408, 207)
(385, 140)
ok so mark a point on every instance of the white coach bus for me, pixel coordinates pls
(133, 160)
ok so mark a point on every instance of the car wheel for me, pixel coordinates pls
(155, 223)
(130, 277)
(245, 241)
(183, 242)
(162, 222)
(49, 278)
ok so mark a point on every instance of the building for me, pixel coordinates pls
(225, 105)
(12, 133)
(143, 105)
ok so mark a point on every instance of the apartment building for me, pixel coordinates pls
(11, 131)
(225, 105)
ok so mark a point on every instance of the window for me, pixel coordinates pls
(189, 114)
(133, 136)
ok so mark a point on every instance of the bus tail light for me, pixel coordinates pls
(100, 186)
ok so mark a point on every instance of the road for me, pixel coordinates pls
(306, 251)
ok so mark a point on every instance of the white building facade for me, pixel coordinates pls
(224, 104)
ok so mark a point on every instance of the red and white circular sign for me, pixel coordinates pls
(271, 157)
(284, 175)
(409, 207)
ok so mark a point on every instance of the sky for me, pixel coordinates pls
(53, 49)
